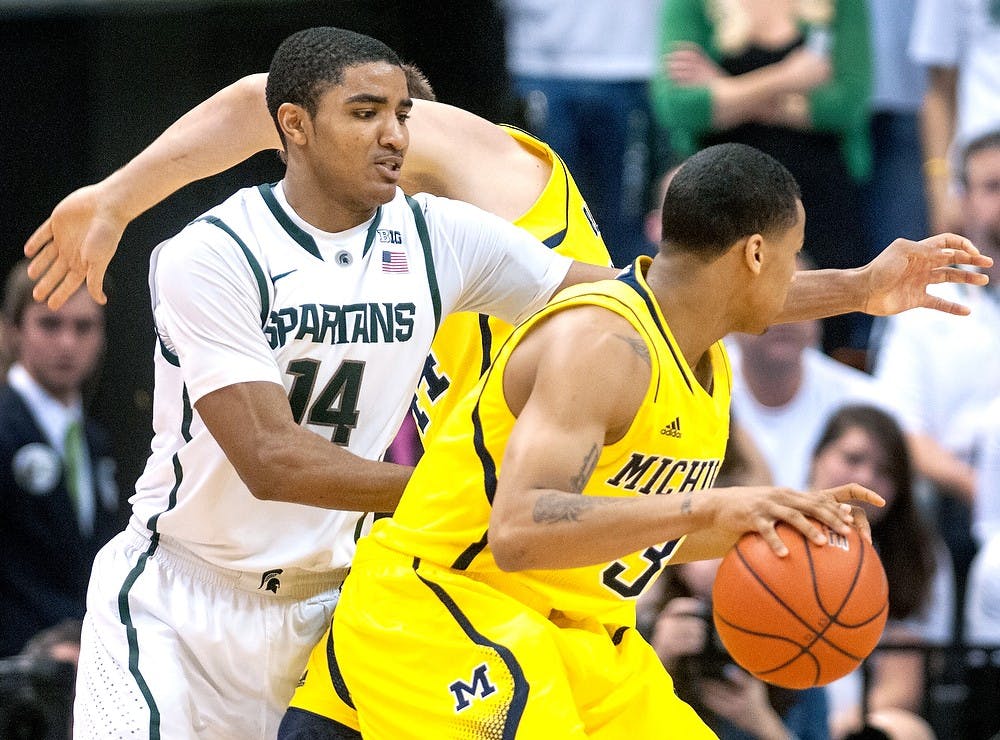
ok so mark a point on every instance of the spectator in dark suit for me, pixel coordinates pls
(58, 494)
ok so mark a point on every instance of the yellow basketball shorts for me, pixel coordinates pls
(425, 651)
(321, 691)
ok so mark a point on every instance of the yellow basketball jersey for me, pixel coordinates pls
(466, 342)
(675, 444)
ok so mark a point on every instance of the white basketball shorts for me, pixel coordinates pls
(174, 647)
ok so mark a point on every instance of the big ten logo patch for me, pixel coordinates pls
(389, 236)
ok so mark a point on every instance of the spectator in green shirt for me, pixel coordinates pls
(791, 78)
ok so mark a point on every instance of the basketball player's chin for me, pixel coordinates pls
(383, 191)
(754, 321)
(764, 321)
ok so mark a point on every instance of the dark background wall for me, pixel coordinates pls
(88, 86)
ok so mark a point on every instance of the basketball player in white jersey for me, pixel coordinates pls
(292, 324)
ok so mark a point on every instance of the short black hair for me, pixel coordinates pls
(310, 61)
(725, 193)
(989, 140)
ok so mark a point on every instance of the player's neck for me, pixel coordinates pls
(319, 209)
(692, 302)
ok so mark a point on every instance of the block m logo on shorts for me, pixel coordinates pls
(480, 686)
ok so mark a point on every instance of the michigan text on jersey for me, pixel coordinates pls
(673, 474)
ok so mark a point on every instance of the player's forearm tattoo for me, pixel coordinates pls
(638, 346)
(557, 507)
(686, 503)
(578, 481)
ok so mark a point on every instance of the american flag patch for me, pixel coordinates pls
(394, 261)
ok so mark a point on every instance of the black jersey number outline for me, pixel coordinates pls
(435, 385)
(656, 557)
(337, 404)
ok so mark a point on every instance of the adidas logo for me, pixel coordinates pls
(673, 429)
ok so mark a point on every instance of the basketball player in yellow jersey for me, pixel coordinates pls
(466, 342)
(497, 602)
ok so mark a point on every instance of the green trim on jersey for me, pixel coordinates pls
(301, 237)
(187, 416)
(359, 526)
(372, 230)
(172, 499)
(304, 239)
(258, 273)
(167, 354)
(425, 242)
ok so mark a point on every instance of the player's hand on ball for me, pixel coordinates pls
(759, 509)
(805, 619)
(832, 507)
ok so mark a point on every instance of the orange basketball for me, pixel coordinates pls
(805, 619)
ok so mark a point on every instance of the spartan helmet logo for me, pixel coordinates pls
(269, 581)
(344, 258)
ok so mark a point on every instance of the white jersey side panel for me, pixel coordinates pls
(343, 322)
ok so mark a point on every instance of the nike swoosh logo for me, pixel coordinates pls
(276, 278)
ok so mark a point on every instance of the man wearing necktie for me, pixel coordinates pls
(58, 495)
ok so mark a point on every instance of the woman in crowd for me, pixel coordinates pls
(863, 444)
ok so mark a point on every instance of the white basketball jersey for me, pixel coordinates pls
(251, 292)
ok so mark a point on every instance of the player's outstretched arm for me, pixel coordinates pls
(575, 384)
(457, 154)
(452, 153)
(81, 235)
(895, 281)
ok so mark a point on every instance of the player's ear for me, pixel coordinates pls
(294, 122)
(753, 253)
